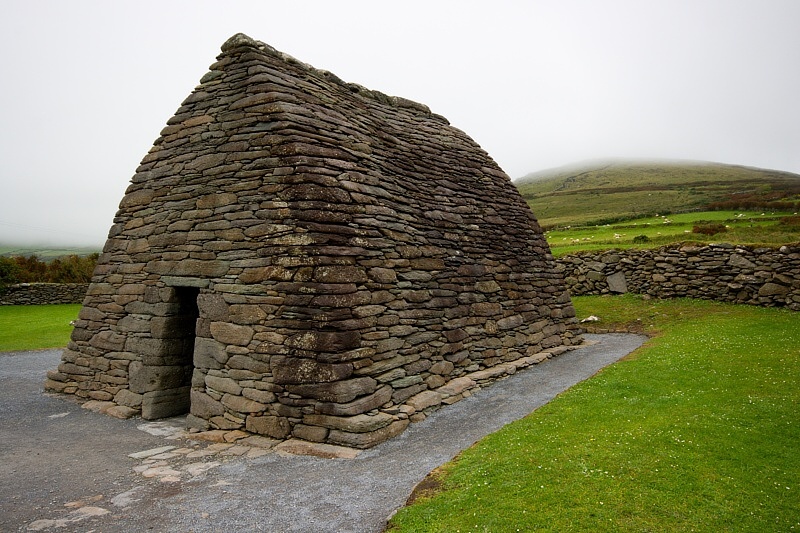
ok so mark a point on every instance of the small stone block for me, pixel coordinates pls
(98, 406)
(183, 451)
(167, 455)
(256, 452)
(200, 453)
(233, 436)
(150, 453)
(326, 451)
(257, 441)
(236, 450)
(456, 386)
(425, 399)
(195, 469)
(160, 471)
(122, 411)
(147, 465)
(219, 446)
(214, 435)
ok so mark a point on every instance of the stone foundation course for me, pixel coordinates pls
(301, 257)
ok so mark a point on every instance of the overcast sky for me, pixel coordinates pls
(87, 85)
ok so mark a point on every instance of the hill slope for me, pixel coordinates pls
(45, 253)
(602, 191)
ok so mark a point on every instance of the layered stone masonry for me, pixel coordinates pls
(302, 257)
(723, 272)
(43, 293)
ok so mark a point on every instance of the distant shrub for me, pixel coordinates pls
(9, 271)
(792, 222)
(709, 229)
(71, 269)
(639, 239)
(30, 269)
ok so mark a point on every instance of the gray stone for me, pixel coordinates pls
(325, 341)
(298, 370)
(737, 261)
(204, 406)
(406, 382)
(241, 404)
(122, 412)
(276, 427)
(359, 406)
(338, 391)
(247, 362)
(143, 379)
(223, 384)
(367, 440)
(617, 283)
(127, 398)
(773, 289)
(209, 354)
(456, 386)
(442, 368)
(510, 322)
(310, 433)
(425, 399)
(227, 333)
(164, 403)
(353, 424)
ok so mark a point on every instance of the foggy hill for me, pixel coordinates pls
(599, 191)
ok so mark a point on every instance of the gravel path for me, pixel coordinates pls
(67, 469)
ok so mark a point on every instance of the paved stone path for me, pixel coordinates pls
(67, 468)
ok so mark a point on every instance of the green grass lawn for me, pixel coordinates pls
(32, 327)
(742, 227)
(698, 430)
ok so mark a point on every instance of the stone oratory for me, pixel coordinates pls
(301, 257)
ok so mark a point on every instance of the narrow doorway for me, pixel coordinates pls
(185, 325)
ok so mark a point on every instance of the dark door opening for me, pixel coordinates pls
(166, 377)
(182, 330)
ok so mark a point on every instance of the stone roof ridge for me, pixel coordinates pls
(242, 40)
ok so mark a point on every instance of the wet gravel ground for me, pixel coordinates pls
(65, 468)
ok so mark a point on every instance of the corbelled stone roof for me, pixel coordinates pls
(302, 257)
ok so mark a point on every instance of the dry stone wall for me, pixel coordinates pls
(43, 293)
(300, 257)
(722, 272)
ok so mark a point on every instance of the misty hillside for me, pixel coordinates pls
(602, 191)
(43, 252)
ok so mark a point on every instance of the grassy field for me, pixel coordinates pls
(32, 327)
(741, 227)
(595, 193)
(696, 431)
(43, 252)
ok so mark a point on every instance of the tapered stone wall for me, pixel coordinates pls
(301, 257)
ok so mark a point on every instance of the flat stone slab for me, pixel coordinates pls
(151, 452)
(326, 451)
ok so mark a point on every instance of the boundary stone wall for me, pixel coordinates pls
(43, 293)
(723, 272)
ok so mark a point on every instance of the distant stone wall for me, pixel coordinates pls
(723, 272)
(43, 293)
